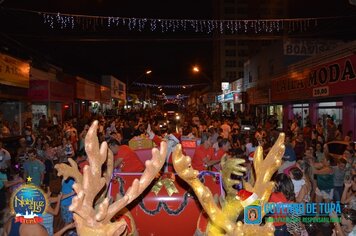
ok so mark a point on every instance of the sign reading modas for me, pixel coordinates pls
(330, 79)
(28, 203)
(14, 72)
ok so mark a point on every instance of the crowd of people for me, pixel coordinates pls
(309, 173)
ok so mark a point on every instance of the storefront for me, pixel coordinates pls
(117, 90)
(14, 83)
(87, 97)
(325, 90)
(301, 113)
(259, 104)
(226, 99)
(50, 98)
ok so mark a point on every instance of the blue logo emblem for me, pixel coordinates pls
(29, 203)
(253, 215)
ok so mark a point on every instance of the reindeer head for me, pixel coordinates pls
(91, 220)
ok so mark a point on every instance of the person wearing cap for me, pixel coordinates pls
(125, 158)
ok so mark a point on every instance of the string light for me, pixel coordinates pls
(170, 97)
(172, 25)
(250, 26)
(172, 86)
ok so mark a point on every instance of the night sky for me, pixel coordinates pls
(124, 54)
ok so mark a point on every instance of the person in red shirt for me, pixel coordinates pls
(125, 158)
(82, 160)
(203, 154)
(283, 193)
(224, 147)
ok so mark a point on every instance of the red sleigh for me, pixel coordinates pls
(159, 214)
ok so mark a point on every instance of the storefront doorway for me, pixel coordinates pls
(301, 113)
(277, 112)
(330, 110)
(37, 111)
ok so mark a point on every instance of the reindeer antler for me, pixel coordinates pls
(182, 164)
(98, 222)
(69, 171)
(265, 168)
(230, 166)
(223, 221)
(232, 206)
(153, 166)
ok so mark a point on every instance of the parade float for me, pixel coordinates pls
(155, 203)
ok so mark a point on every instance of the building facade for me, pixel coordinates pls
(320, 87)
(231, 51)
(14, 85)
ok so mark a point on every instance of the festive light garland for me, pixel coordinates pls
(68, 21)
(170, 86)
(237, 26)
(177, 97)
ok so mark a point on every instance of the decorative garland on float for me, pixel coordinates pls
(162, 204)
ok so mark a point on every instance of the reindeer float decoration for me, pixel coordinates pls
(93, 211)
(96, 221)
(223, 221)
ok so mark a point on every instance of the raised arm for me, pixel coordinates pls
(345, 198)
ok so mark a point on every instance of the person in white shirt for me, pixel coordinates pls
(5, 158)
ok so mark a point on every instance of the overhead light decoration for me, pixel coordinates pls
(169, 86)
(255, 26)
